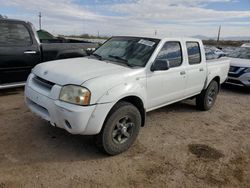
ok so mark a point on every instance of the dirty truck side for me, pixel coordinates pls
(108, 93)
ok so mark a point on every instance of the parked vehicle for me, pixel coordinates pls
(46, 37)
(108, 93)
(219, 52)
(214, 53)
(239, 73)
(21, 50)
(246, 45)
(210, 54)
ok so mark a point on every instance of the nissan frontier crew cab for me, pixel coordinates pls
(108, 93)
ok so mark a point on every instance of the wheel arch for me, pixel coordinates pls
(202, 98)
(217, 79)
(138, 103)
(134, 100)
(208, 81)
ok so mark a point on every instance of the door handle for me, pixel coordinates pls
(201, 69)
(30, 52)
(182, 73)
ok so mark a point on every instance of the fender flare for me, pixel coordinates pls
(216, 78)
(136, 98)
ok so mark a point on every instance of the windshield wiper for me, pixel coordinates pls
(121, 59)
(97, 56)
(118, 58)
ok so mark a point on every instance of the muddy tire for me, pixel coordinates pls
(206, 99)
(120, 129)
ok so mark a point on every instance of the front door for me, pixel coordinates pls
(164, 87)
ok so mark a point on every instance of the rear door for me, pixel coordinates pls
(196, 70)
(19, 51)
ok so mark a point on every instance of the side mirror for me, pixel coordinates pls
(89, 51)
(160, 65)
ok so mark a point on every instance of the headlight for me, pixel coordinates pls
(247, 70)
(75, 95)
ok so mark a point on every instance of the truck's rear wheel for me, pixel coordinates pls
(207, 98)
(121, 129)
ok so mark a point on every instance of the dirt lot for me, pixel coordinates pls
(179, 147)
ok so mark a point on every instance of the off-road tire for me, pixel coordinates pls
(105, 140)
(206, 99)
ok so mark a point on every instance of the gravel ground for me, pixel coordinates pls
(179, 147)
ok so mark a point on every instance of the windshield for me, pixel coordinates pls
(131, 51)
(243, 53)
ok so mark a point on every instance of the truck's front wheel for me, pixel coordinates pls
(121, 129)
(207, 98)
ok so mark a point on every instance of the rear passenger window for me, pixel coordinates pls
(172, 52)
(14, 34)
(194, 53)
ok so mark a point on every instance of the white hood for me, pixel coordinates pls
(76, 70)
(237, 62)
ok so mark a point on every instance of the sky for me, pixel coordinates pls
(170, 18)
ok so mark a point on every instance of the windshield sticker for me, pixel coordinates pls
(146, 42)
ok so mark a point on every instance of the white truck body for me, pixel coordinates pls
(110, 82)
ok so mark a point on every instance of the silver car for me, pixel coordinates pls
(239, 73)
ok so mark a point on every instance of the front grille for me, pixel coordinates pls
(40, 110)
(234, 81)
(42, 82)
(233, 69)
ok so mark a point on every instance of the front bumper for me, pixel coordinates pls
(84, 120)
(243, 80)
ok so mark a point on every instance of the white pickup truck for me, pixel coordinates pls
(109, 92)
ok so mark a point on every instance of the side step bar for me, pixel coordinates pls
(12, 85)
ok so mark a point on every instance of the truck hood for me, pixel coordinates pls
(237, 62)
(77, 70)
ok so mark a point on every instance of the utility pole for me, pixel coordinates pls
(218, 39)
(40, 20)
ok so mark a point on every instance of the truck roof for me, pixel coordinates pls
(13, 20)
(160, 37)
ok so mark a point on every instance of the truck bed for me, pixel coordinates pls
(218, 67)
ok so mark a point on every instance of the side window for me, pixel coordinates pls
(172, 52)
(194, 53)
(14, 34)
